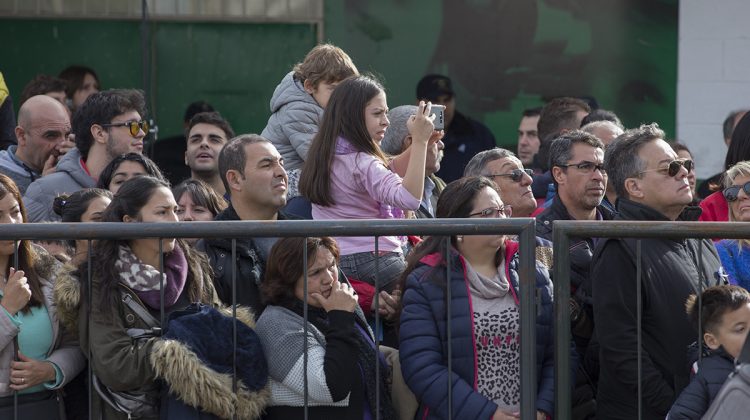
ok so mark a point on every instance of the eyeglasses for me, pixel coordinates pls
(586, 167)
(133, 126)
(502, 211)
(515, 175)
(674, 167)
(732, 193)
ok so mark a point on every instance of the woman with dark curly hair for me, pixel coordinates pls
(342, 355)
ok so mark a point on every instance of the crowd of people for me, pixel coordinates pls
(266, 327)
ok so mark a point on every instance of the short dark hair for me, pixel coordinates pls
(212, 118)
(714, 303)
(196, 108)
(284, 267)
(679, 147)
(728, 125)
(561, 147)
(71, 207)
(40, 85)
(602, 115)
(202, 194)
(532, 112)
(739, 148)
(101, 108)
(109, 171)
(621, 157)
(557, 115)
(232, 155)
(74, 76)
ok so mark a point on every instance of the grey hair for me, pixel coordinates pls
(232, 155)
(621, 156)
(592, 126)
(393, 142)
(476, 165)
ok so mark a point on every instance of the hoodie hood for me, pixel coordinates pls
(290, 90)
(70, 163)
(187, 369)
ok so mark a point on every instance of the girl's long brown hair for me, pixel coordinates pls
(344, 117)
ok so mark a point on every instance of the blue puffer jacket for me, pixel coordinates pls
(696, 398)
(423, 339)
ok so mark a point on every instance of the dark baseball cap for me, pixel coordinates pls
(433, 86)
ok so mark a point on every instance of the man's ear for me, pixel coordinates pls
(407, 143)
(186, 161)
(21, 135)
(233, 179)
(633, 188)
(98, 133)
(711, 341)
(127, 219)
(558, 174)
(309, 88)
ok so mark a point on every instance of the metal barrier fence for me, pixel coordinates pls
(566, 229)
(524, 228)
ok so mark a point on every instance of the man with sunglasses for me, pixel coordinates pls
(512, 180)
(107, 125)
(651, 185)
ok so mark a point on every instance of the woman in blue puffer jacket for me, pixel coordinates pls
(485, 317)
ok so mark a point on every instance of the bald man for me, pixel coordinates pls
(43, 135)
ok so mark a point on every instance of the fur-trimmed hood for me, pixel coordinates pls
(67, 295)
(194, 359)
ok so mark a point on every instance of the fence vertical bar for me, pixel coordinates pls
(639, 319)
(234, 323)
(304, 327)
(449, 324)
(88, 328)
(562, 322)
(15, 356)
(527, 253)
(377, 328)
(162, 283)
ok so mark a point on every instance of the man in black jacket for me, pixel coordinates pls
(576, 164)
(651, 184)
(253, 174)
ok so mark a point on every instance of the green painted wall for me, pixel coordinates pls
(503, 56)
(235, 67)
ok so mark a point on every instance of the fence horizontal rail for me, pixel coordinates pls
(248, 229)
(637, 229)
(563, 230)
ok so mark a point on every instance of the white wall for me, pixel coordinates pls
(713, 75)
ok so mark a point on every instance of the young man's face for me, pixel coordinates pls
(528, 139)
(204, 144)
(731, 332)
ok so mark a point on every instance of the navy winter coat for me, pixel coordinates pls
(423, 338)
(696, 398)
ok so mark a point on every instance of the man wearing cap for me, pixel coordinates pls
(464, 137)
(397, 140)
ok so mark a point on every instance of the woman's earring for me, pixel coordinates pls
(460, 238)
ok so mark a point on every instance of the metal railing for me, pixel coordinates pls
(563, 230)
(524, 228)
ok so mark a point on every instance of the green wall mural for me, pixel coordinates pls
(505, 56)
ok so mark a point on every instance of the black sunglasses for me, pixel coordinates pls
(133, 126)
(732, 193)
(674, 167)
(586, 166)
(515, 175)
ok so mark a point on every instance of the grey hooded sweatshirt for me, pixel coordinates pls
(294, 121)
(69, 177)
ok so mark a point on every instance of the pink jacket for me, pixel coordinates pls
(363, 188)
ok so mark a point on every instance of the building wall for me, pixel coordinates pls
(713, 75)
